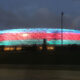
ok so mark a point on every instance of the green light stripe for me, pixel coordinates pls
(30, 42)
(21, 42)
(65, 42)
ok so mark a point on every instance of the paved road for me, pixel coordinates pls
(17, 73)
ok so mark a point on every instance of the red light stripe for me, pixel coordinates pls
(48, 36)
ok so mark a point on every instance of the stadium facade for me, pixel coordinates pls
(30, 36)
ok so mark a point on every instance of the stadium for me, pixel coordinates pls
(30, 36)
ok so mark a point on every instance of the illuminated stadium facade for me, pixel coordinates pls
(32, 36)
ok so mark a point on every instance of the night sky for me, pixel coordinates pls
(39, 13)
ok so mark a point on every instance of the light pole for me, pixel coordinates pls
(62, 14)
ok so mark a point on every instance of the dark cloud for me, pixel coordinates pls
(42, 17)
(27, 13)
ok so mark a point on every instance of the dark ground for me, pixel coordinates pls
(61, 64)
(39, 72)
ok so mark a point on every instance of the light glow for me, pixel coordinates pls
(40, 47)
(18, 48)
(6, 49)
(50, 48)
(24, 34)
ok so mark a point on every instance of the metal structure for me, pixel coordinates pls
(30, 36)
(62, 14)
